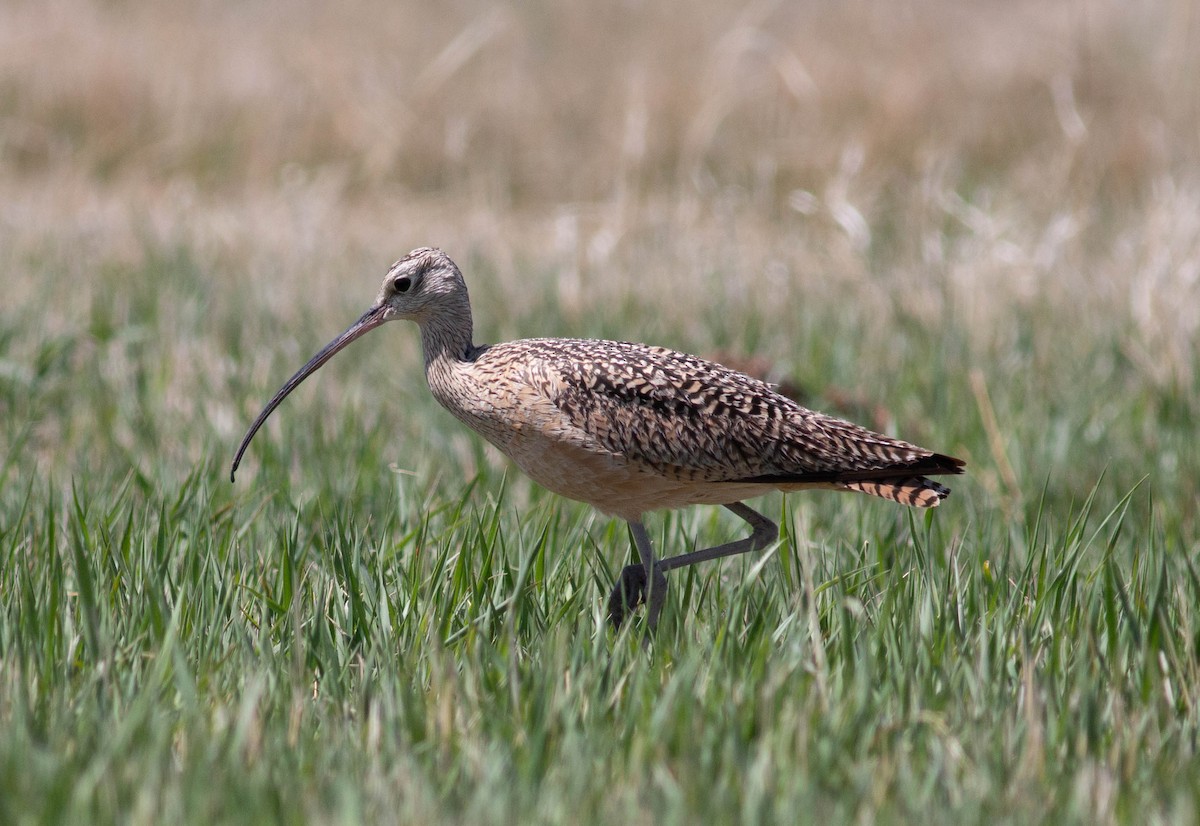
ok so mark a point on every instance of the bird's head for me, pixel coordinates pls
(422, 285)
(419, 285)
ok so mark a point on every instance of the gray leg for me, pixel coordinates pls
(631, 587)
(765, 532)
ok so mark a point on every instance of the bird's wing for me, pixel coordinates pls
(693, 419)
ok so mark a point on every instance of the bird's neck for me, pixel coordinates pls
(446, 338)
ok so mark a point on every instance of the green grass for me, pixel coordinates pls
(337, 639)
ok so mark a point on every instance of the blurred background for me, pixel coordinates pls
(974, 224)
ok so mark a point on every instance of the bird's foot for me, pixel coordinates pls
(630, 592)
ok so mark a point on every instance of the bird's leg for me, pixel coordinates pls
(765, 532)
(630, 590)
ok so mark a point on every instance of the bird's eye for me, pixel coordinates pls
(402, 284)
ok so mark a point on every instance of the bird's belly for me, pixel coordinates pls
(612, 483)
(562, 458)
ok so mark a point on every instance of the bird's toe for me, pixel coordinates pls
(627, 594)
(630, 592)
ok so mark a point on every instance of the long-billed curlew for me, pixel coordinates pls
(630, 428)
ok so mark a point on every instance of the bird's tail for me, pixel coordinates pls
(914, 491)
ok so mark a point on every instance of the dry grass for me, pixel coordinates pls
(1031, 149)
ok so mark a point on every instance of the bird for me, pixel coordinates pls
(631, 428)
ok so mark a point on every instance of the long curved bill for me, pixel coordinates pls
(371, 319)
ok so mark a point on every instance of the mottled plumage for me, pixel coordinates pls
(630, 428)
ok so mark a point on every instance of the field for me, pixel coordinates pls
(973, 225)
